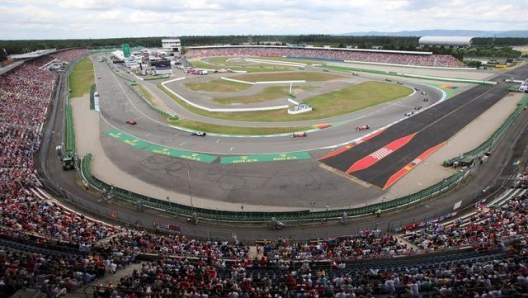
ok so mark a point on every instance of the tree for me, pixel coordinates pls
(3, 55)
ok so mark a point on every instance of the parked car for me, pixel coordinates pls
(363, 127)
(299, 135)
(131, 122)
(198, 133)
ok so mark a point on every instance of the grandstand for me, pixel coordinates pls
(56, 250)
(328, 54)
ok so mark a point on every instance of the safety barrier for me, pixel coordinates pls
(489, 143)
(123, 77)
(217, 110)
(180, 210)
(69, 141)
(92, 99)
(155, 109)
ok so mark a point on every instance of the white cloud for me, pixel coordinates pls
(34, 19)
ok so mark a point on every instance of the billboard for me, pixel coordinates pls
(126, 50)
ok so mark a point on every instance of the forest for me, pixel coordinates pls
(482, 47)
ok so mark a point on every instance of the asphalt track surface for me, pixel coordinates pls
(426, 129)
(299, 184)
(302, 184)
(486, 175)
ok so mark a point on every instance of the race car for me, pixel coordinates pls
(408, 114)
(299, 135)
(418, 108)
(363, 127)
(198, 133)
(131, 122)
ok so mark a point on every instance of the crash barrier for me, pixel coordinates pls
(122, 76)
(400, 74)
(298, 216)
(175, 208)
(69, 141)
(155, 78)
(92, 99)
(155, 109)
(488, 144)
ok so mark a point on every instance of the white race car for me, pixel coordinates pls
(198, 134)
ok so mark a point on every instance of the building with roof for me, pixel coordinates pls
(452, 42)
(172, 46)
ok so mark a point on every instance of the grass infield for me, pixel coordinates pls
(81, 77)
(335, 103)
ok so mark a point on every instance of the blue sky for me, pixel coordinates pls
(83, 19)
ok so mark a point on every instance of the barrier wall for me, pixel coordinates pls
(488, 144)
(217, 110)
(180, 210)
(92, 99)
(155, 109)
(69, 141)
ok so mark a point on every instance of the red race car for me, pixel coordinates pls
(299, 135)
(131, 122)
(363, 127)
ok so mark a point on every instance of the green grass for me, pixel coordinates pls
(223, 60)
(289, 76)
(81, 78)
(268, 93)
(217, 86)
(246, 67)
(216, 60)
(148, 96)
(339, 102)
(356, 97)
(213, 128)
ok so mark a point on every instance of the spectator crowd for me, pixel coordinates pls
(48, 246)
(422, 59)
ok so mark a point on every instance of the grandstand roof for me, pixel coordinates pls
(446, 40)
(33, 54)
(119, 55)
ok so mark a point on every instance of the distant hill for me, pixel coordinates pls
(438, 32)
